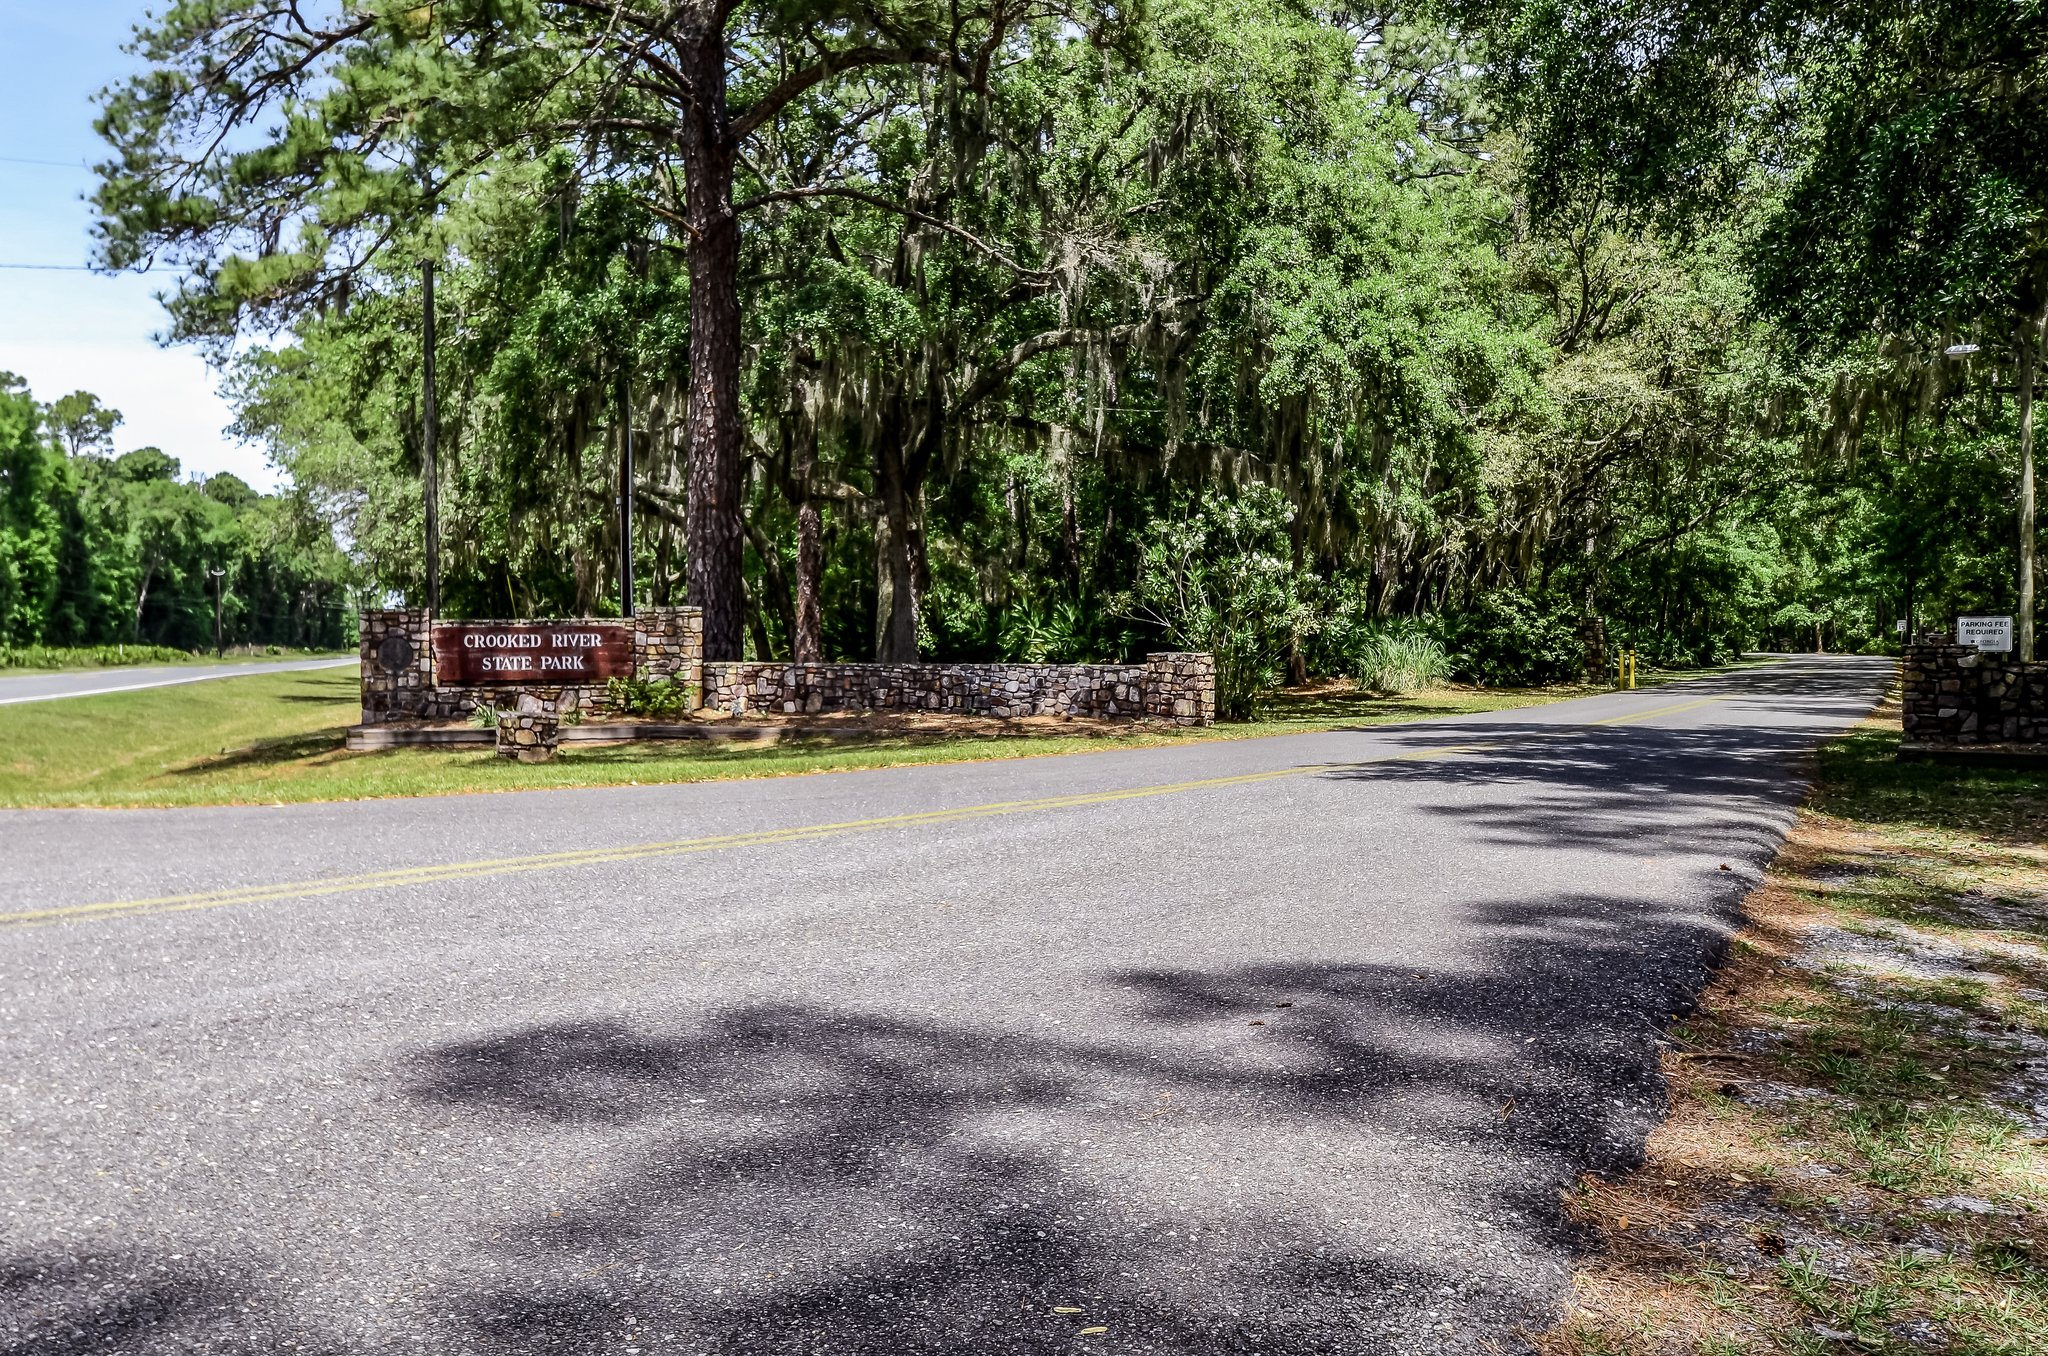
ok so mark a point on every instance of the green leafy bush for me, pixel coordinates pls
(1509, 639)
(649, 697)
(1220, 580)
(1051, 635)
(1389, 661)
(87, 656)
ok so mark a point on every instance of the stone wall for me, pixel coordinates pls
(1169, 686)
(668, 643)
(1181, 687)
(1957, 694)
(398, 665)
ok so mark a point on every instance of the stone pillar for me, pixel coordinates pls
(1181, 687)
(668, 644)
(530, 730)
(1936, 708)
(397, 663)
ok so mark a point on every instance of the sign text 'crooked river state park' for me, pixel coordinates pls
(542, 653)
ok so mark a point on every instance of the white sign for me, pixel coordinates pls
(1986, 633)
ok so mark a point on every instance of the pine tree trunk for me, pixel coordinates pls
(714, 532)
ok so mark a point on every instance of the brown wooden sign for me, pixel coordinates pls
(542, 654)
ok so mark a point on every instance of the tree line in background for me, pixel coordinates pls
(1512, 330)
(104, 550)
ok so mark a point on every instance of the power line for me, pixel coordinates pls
(79, 268)
(53, 164)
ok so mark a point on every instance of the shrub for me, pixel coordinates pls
(87, 656)
(649, 697)
(1508, 639)
(1392, 662)
(1220, 580)
(1053, 635)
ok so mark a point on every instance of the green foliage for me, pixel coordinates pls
(86, 656)
(1054, 635)
(1217, 579)
(98, 551)
(1401, 661)
(80, 424)
(1509, 639)
(1428, 321)
(649, 697)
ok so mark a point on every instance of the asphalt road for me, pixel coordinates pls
(47, 687)
(1266, 1046)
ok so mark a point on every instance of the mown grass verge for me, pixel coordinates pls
(278, 737)
(1853, 1160)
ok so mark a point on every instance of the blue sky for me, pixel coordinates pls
(70, 330)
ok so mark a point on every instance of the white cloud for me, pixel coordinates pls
(65, 332)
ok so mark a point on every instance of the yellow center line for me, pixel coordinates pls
(400, 877)
(1631, 717)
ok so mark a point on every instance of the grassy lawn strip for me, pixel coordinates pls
(1853, 1160)
(278, 737)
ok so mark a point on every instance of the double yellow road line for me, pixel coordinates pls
(401, 877)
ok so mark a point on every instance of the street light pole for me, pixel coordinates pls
(2029, 365)
(625, 494)
(428, 471)
(218, 574)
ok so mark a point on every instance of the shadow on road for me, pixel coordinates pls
(912, 1186)
(904, 1185)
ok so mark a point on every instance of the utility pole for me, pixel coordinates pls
(2031, 336)
(218, 574)
(428, 469)
(625, 492)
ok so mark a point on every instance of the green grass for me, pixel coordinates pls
(1910, 1076)
(278, 737)
(1861, 779)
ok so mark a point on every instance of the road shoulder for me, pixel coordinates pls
(1853, 1159)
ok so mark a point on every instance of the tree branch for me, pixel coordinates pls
(796, 82)
(910, 213)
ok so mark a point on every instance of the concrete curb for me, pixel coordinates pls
(368, 738)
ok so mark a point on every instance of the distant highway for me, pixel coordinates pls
(50, 687)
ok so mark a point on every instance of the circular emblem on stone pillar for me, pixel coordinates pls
(395, 653)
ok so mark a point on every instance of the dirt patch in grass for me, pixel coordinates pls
(1854, 1156)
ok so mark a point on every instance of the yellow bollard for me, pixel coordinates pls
(1631, 670)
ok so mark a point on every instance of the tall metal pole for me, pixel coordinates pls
(428, 469)
(625, 494)
(2030, 367)
(218, 574)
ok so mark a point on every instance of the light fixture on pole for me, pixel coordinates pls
(218, 574)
